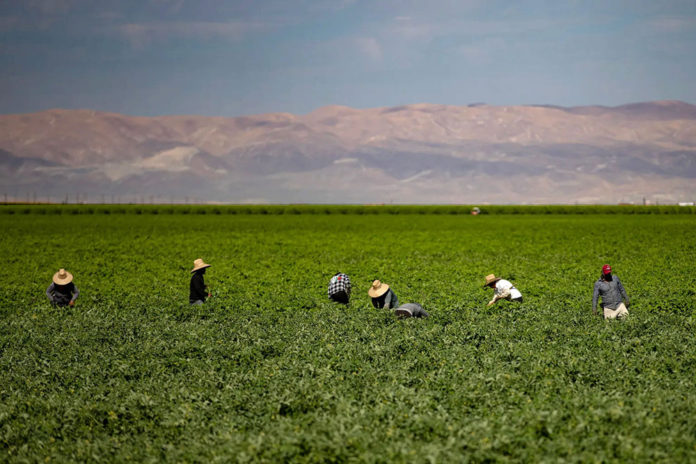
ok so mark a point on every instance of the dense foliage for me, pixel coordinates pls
(270, 370)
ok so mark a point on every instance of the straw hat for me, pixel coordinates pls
(490, 278)
(378, 289)
(198, 265)
(62, 277)
(403, 312)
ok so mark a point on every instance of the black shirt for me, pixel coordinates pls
(197, 288)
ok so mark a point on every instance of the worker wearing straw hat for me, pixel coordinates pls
(410, 310)
(198, 290)
(502, 290)
(382, 296)
(62, 291)
(613, 294)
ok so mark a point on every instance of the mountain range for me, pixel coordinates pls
(420, 153)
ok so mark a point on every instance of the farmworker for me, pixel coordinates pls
(382, 296)
(613, 294)
(410, 310)
(62, 292)
(198, 290)
(502, 290)
(339, 288)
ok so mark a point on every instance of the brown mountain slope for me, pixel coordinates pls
(412, 153)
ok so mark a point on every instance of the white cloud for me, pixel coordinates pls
(8, 22)
(405, 27)
(174, 6)
(482, 49)
(674, 24)
(369, 47)
(327, 5)
(142, 34)
(51, 7)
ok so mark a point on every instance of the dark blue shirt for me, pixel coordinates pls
(62, 295)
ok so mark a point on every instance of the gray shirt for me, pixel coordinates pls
(611, 293)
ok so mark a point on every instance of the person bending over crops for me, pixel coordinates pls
(339, 288)
(62, 291)
(410, 310)
(502, 290)
(613, 294)
(198, 290)
(382, 296)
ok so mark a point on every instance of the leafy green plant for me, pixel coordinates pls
(269, 370)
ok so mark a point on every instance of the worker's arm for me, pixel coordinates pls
(623, 291)
(388, 300)
(75, 294)
(595, 297)
(499, 295)
(420, 312)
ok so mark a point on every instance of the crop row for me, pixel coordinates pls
(343, 209)
(269, 370)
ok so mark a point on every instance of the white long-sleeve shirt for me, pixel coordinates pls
(505, 289)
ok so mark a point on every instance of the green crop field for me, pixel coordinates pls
(269, 370)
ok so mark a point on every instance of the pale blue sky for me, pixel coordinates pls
(229, 58)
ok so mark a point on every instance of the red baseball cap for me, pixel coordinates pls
(606, 269)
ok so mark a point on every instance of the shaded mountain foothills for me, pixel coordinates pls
(421, 153)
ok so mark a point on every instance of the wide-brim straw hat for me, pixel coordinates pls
(403, 312)
(378, 289)
(62, 277)
(198, 265)
(490, 278)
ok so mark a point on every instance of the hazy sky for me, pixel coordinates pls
(215, 57)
